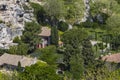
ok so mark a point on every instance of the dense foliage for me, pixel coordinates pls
(80, 59)
(39, 71)
(62, 26)
(48, 54)
(54, 35)
(39, 13)
(30, 35)
(21, 49)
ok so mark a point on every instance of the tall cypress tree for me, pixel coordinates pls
(19, 66)
(54, 35)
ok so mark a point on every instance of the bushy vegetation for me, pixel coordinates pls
(21, 49)
(48, 54)
(30, 35)
(62, 26)
(39, 71)
(39, 13)
(80, 59)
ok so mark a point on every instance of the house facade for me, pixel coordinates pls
(45, 37)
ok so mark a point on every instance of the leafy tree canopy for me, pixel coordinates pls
(48, 55)
(39, 71)
(55, 8)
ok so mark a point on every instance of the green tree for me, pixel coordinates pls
(55, 8)
(77, 68)
(13, 50)
(87, 54)
(39, 71)
(118, 1)
(75, 10)
(39, 13)
(54, 36)
(21, 49)
(49, 55)
(17, 40)
(73, 60)
(62, 26)
(78, 54)
(72, 40)
(2, 51)
(30, 35)
(19, 66)
(113, 22)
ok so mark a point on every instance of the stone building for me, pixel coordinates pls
(45, 35)
(10, 62)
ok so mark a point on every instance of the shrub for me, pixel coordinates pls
(62, 26)
(17, 40)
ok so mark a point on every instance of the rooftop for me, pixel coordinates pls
(112, 58)
(14, 59)
(45, 31)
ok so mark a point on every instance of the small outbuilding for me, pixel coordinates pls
(45, 35)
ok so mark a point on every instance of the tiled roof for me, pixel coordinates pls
(45, 31)
(112, 58)
(14, 59)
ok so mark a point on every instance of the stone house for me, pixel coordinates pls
(10, 62)
(45, 37)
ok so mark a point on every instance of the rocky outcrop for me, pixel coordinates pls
(14, 16)
(87, 14)
(7, 35)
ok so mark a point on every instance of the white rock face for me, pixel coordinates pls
(4, 33)
(7, 35)
(14, 16)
